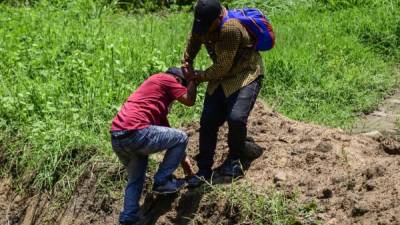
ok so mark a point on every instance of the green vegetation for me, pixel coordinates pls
(66, 67)
(61, 99)
(246, 206)
(331, 64)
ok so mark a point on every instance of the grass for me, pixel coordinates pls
(62, 98)
(330, 65)
(241, 204)
(66, 70)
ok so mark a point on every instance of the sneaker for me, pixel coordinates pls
(197, 180)
(129, 223)
(232, 168)
(171, 186)
(134, 222)
(251, 151)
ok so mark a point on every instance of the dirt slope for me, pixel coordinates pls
(354, 178)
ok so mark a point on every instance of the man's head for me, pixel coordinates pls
(206, 12)
(178, 74)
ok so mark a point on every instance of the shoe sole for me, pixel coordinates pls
(166, 193)
(220, 172)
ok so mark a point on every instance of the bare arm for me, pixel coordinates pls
(192, 49)
(187, 167)
(189, 98)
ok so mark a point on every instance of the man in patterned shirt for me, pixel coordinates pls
(234, 81)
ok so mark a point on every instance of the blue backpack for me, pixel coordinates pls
(256, 24)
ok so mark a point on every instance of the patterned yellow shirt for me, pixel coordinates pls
(235, 62)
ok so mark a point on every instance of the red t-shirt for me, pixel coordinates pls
(148, 105)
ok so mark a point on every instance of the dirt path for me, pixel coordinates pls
(353, 178)
(384, 119)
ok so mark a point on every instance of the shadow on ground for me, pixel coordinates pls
(186, 204)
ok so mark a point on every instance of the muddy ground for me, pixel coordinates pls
(353, 178)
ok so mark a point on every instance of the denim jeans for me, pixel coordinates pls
(234, 109)
(133, 151)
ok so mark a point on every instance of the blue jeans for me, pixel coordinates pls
(218, 108)
(133, 151)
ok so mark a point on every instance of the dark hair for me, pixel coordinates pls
(178, 73)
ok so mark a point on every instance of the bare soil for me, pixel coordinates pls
(384, 119)
(353, 178)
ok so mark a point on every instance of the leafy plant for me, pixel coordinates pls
(67, 66)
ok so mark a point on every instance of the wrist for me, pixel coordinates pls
(186, 63)
(200, 76)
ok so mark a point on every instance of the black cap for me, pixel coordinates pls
(205, 12)
(177, 72)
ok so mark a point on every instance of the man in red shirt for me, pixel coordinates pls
(141, 128)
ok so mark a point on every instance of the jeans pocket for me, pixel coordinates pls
(135, 141)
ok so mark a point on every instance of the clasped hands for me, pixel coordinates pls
(190, 74)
